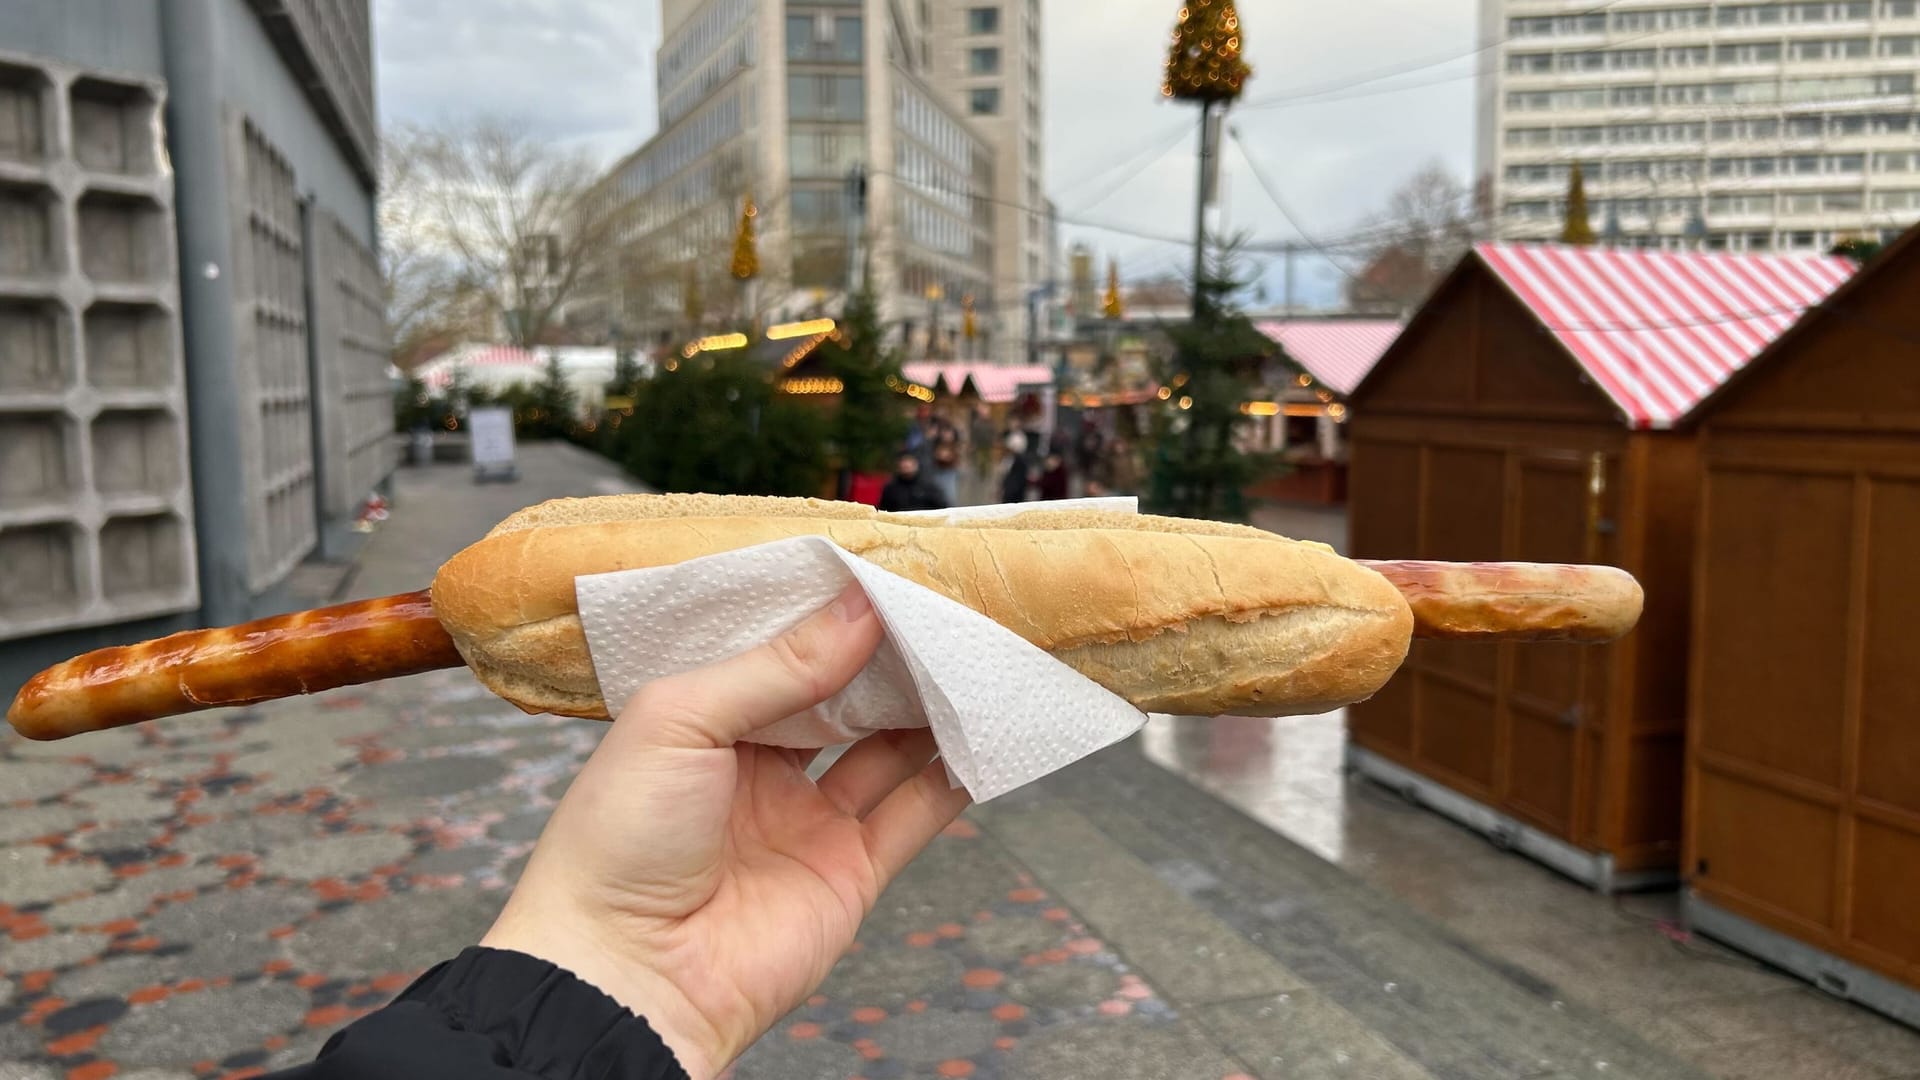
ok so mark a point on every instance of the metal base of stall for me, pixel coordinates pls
(1840, 978)
(1593, 869)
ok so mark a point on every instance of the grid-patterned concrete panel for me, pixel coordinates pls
(332, 40)
(271, 357)
(95, 513)
(356, 398)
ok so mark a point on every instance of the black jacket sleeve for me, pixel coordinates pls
(489, 1014)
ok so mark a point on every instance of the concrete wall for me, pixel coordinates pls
(202, 396)
(96, 514)
(111, 35)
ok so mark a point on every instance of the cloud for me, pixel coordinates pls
(581, 69)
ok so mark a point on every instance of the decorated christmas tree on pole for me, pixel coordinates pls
(1579, 226)
(1111, 306)
(1198, 467)
(746, 261)
(1204, 64)
(746, 256)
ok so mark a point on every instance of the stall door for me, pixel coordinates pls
(1553, 695)
(1456, 686)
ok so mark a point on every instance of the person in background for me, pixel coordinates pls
(1014, 484)
(1054, 478)
(910, 489)
(946, 464)
(1088, 447)
(980, 435)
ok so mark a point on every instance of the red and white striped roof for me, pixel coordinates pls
(1659, 331)
(997, 383)
(439, 373)
(1337, 352)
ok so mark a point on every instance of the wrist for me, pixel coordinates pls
(634, 985)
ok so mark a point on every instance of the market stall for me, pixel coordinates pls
(1537, 408)
(1305, 419)
(1803, 763)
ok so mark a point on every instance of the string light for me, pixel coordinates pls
(1261, 408)
(821, 385)
(1164, 393)
(1338, 412)
(1186, 403)
(717, 342)
(800, 329)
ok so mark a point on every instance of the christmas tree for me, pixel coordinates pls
(1579, 227)
(1198, 468)
(1204, 64)
(1110, 305)
(869, 425)
(746, 256)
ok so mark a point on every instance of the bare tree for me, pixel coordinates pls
(1428, 224)
(499, 222)
(428, 305)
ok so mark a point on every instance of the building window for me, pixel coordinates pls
(1829, 49)
(1530, 136)
(1632, 95)
(1685, 56)
(1756, 52)
(825, 97)
(983, 20)
(1750, 14)
(799, 36)
(1900, 9)
(1900, 45)
(983, 61)
(984, 101)
(846, 39)
(1530, 63)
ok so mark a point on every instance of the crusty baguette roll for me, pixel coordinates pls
(1200, 625)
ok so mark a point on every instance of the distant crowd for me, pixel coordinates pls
(943, 465)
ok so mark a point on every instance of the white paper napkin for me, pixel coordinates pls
(1003, 712)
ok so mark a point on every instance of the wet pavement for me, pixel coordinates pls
(212, 896)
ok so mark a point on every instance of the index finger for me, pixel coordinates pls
(721, 704)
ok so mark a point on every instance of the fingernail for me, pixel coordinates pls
(853, 605)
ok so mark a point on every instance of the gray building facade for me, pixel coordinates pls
(193, 355)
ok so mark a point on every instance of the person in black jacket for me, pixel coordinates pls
(690, 889)
(911, 489)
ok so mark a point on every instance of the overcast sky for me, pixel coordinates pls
(584, 70)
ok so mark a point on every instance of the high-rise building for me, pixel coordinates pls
(868, 148)
(988, 53)
(1739, 126)
(193, 358)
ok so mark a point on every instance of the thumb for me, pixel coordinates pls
(723, 703)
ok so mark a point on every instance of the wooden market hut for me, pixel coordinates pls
(1538, 407)
(1803, 763)
(1306, 422)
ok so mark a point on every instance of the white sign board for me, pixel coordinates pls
(492, 434)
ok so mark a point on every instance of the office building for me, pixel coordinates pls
(988, 55)
(193, 357)
(866, 147)
(1738, 126)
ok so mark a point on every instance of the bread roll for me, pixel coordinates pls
(1190, 624)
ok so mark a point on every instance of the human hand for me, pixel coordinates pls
(708, 884)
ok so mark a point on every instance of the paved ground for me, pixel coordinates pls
(212, 896)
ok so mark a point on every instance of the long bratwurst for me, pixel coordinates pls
(1173, 615)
